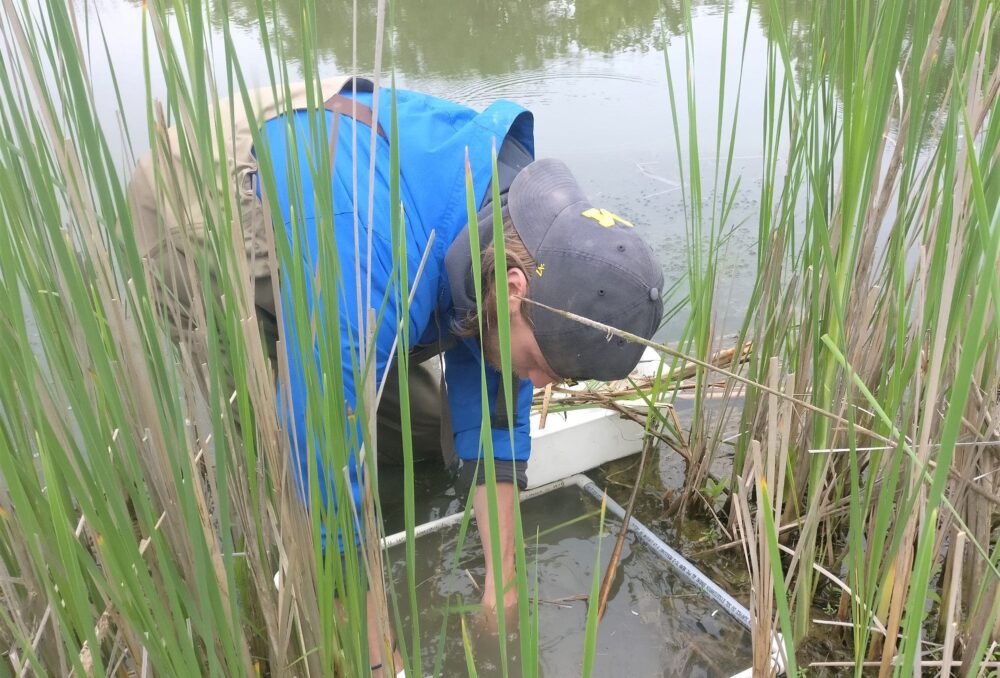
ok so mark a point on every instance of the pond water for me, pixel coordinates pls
(565, 564)
(655, 624)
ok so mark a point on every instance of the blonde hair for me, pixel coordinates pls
(518, 257)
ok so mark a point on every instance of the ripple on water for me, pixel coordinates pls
(528, 88)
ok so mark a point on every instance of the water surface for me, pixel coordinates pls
(656, 624)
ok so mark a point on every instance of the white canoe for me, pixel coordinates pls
(578, 440)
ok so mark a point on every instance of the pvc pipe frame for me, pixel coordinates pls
(678, 562)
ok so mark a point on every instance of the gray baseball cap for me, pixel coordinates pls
(589, 262)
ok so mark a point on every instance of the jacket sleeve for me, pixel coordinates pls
(464, 369)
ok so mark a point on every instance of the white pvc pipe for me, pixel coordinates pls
(455, 518)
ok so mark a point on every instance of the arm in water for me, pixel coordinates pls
(506, 495)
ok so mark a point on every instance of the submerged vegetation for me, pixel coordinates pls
(146, 502)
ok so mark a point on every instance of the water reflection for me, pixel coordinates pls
(475, 37)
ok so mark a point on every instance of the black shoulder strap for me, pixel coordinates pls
(500, 418)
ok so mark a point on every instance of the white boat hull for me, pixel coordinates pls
(578, 440)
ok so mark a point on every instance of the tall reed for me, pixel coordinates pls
(875, 302)
(147, 500)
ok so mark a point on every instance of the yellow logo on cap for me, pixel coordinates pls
(540, 270)
(605, 218)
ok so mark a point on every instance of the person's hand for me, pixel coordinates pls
(490, 613)
(504, 560)
(488, 646)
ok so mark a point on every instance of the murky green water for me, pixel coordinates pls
(655, 624)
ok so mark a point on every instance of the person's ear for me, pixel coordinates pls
(517, 287)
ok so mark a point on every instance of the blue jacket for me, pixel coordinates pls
(433, 137)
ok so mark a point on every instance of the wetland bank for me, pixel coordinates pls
(819, 181)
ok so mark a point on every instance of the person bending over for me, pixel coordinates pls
(560, 251)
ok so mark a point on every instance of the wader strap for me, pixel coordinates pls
(500, 418)
(352, 108)
(448, 453)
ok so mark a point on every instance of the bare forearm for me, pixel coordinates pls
(505, 520)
